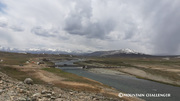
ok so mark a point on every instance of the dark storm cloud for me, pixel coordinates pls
(92, 30)
(79, 22)
(161, 17)
(130, 30)
(164, 16)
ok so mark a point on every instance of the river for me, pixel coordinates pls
(127, 84)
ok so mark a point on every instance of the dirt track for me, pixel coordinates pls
(48, 77)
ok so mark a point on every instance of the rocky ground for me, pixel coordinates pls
(14, 90)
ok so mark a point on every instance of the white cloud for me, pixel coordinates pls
(91, 24)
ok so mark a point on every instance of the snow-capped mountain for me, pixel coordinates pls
(35, 50)
(121, 52)
(125, 51)
(41, 50)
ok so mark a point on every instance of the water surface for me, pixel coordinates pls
(128, 84)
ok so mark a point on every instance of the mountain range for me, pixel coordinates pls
(111, 53)
(116, 53)
(78, 52)
(39, 50)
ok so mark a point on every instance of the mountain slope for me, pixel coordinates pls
(117, 53)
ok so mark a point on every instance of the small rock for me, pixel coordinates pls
(48, 95)
(43, 99)
(34, 99)
(60, 95)
(1, 91)
(21, 99)
(71, 93)
(53, 98)
(53, 93)
(43, 92)
(95, 99)
(22, 91)
(1, 81)
(28, 81)
(28, 99)
(37, 95)
(20, 83)
(59, 99)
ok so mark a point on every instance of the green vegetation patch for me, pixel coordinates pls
(125, 61)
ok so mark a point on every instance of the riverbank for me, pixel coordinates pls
(156, 69)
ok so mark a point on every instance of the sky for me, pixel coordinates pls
(148, 26)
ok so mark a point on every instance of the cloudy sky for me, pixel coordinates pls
(148, 26)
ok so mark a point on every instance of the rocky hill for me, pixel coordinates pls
(14, 90)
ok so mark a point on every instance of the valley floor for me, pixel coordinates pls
(51, 84)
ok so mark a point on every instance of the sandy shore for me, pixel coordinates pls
(136, 72)
(106, 71)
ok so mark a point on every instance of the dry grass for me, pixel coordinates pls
(19, 75)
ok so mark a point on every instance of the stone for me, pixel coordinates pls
(28, 81)
(1, 81)
(48, 95)
(43, 92)
(22, 91)
(95, 99)
(1, 91)
(20, 83)
(21, 99)
(43, 99)
(28, 99)
(53, 98)
(71, 93)
(53, 93)
(59, 99)
(36, 95)
(60, 95)
(34, 99)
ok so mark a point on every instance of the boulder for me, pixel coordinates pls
(28, 81)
